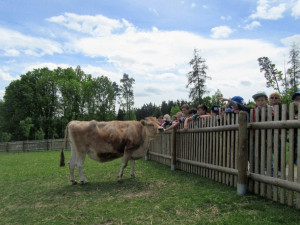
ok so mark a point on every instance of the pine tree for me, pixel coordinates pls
(197, 78)
(294, 70)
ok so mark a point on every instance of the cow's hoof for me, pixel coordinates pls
(74, 182)
(120, 180)
(83, 182)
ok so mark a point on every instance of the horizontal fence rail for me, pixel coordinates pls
(260, 156)
(25, 146)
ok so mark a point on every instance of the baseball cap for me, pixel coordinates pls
(259, 94)
(238, 99)
(295, 94)
(215, 109)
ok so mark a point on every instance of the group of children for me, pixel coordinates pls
(234, 105)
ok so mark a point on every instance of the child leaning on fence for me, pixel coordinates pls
(201, 112)
(166, 121)
(180, 118)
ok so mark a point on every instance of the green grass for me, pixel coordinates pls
(35, 190)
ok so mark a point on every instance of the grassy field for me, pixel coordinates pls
(35, 190)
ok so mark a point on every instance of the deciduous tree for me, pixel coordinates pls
(127, 97)
(273, 76)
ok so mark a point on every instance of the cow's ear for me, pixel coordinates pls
(143, 122)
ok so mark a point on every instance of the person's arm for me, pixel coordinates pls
(186, 123)
(243, 107)
(224, 99)
(175, 124)
(205, 116)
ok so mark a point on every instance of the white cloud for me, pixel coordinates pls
(95, 25)
(288, 41)
(2, 94)
(11, 52)
(160, 59)
(14, 43)
(193, 5)
(49, 65)
(96, 71)
(154, 29)
(296, 9)
(252, 25)
(164, 77)
(265, 10)
(140, 52)
(221, 32)
(4, 76)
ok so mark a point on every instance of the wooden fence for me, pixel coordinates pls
(24, 146)
(252, 153)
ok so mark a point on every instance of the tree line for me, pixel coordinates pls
(43, 101)
(40, 104)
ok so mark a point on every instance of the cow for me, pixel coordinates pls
(106, 141)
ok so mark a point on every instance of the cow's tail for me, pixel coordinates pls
(62, 156)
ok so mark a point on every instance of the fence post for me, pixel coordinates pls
(173, 149)
(47, 144)
(242, 162)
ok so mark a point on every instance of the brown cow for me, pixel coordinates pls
(106, 141)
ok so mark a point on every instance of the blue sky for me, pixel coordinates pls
(152, 41)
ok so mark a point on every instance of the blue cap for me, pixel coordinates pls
(295, 94)
(238, 99)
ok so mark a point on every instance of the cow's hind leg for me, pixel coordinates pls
(132, 163)
(124, 164)
(79, 163)
(72, 164)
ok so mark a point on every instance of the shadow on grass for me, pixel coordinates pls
(127, 185)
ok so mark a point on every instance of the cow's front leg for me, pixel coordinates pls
(124, 164)
(132, 163)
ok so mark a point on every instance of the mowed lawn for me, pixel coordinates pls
(35, 190)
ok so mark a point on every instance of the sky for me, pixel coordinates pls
(152, 41)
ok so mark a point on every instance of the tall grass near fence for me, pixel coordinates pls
(34, 190)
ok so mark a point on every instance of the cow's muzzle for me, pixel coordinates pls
(161, 129)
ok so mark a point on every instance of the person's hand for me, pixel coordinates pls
(223, 99)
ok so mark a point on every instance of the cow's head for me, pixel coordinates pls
(152, 127)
